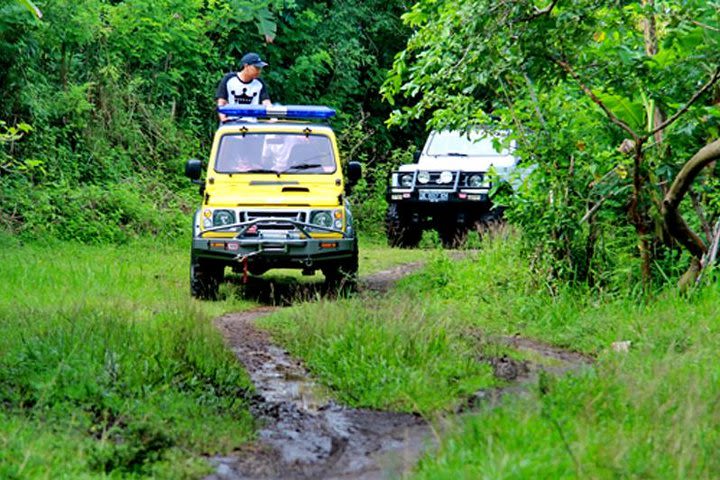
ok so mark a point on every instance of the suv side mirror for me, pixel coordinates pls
(416, 155)
(354, 172)
(193, 169)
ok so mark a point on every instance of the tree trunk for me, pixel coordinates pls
(675, 223)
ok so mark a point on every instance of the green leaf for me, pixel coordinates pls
(31, 6)
(630, 111)
(266, 24)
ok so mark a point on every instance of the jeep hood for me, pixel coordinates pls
(272, 191)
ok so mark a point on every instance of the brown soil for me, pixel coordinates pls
(307, 436)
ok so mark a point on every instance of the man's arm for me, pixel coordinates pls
(264, 94)
(222, 102)
(221, 95)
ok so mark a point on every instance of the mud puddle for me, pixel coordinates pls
(305, 435)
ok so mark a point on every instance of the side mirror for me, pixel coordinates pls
(354, 172)
(193, 169)
(416, 156)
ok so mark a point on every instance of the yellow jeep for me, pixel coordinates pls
(273, 197)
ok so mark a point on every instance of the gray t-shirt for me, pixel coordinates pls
(237, 92)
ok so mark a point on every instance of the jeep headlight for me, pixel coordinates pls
(406, 180)
(223, 217)
(445, 177)
(322, 218)
(423, 177)
(475, 181)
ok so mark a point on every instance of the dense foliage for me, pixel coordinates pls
(608, 99)
(113, 97)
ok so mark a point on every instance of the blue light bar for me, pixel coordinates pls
(278, 111)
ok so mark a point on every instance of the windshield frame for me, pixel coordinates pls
(293, 151)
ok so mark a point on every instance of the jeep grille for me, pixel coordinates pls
(291, 215)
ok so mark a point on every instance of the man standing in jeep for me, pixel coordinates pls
(244, 87)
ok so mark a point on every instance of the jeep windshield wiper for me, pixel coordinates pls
(456, 154)
(261, 170)
(302, 166)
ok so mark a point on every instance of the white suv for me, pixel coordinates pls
(448, 189)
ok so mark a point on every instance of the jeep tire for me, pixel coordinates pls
(399, 228)
(343, 275)
(205, 279)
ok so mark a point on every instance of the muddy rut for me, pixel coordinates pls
(305, 435)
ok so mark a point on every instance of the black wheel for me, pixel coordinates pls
(343, 275)
(205, 279)
(453, 236)
(490, 223)
(399, 228)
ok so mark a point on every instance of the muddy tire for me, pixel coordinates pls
(453, 236)
(205, 279)
(343, 276)
(399, 229)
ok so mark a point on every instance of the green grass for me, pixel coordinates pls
(108, 367)
(651, 412)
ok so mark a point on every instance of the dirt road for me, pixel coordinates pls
(305, 435)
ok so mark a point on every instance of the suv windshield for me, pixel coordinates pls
(476, 143)
(275, 153)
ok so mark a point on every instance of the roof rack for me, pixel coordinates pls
(299, 112)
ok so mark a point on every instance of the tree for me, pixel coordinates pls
(610, 70)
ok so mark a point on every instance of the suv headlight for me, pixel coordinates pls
(445, 177)
(475, 181)
(423, 177)
(322, 218)
(223, 217)
(406, 180)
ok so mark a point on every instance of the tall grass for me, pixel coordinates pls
(107, 366)
(649, 412)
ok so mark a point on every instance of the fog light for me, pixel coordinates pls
(445, 177)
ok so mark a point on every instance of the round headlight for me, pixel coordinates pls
(223, 217)
(406, 180)
(322, 218)
(423, 177)
(445, 177)
(475, 181)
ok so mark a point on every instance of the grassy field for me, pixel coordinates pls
(650, 412)
(108, 368)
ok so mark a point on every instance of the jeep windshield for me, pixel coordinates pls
(277, 153)
(459, 144)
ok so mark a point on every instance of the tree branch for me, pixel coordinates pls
(614, 119)
(538, 12)
(692, 100)
(704, 25)
(674, 222)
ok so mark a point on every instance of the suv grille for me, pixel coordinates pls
(434, 181)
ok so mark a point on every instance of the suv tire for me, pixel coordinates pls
(399, 229)
(453, 236)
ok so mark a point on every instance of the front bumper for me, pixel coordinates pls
(281, 249)
(425, 197)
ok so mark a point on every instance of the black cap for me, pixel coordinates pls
(253, 59)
